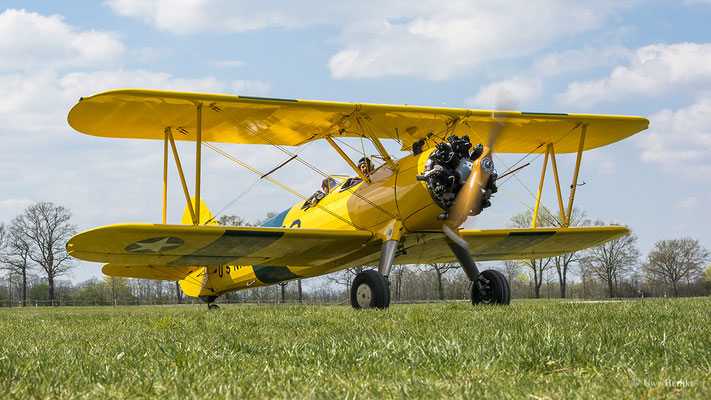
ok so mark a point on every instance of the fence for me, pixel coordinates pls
(166, 302)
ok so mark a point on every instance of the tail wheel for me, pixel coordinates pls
(370, 290)
(492, 289)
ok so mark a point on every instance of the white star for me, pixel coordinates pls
(154, 247)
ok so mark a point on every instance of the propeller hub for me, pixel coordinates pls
(487, 165)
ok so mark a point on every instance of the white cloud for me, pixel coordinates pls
(32, 41)
(454, 37)
(228, 63)
(41, 101)
(509, 94)
(690, 202)
(652, 70)
(430, 39)
(576, 60)
(186, 17)
(680, 141)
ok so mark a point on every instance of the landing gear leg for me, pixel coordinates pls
(371, 289)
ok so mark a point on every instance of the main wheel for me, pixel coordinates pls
(370, 290)
(213, 306)
(494, 289)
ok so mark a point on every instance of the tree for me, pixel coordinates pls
(397, 273)
(301, 293)
(537, 266)
(16, 254)
(586, 271)
(346, 276)
(440, 269)
(269, 216)
(563, 262)
(46, 228)
(178, 292)
(612, 260)
(116, 287)
(232, 220)
(283, 291)
(673, 260)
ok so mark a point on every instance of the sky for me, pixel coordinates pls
(643, 58)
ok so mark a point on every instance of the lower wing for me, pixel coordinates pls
(508, 244)
(187, 245)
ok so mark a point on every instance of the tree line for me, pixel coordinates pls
(34, 260)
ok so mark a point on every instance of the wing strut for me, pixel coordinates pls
(378, 145)
(348, 159)
(540, 187)
(198, 156)
(574, 185)
(165, 175)
(169, 133)
(554, 166)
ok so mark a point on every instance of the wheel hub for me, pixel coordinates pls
(364, 295)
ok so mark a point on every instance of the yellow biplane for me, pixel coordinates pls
(405, 211)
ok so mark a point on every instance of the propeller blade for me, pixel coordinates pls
(469, 198)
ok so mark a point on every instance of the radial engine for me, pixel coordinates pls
(449, 166)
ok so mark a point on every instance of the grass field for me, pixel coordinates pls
(531, 349)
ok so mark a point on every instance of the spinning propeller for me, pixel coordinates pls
(468, 200)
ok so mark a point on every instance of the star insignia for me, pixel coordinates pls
(155, 245)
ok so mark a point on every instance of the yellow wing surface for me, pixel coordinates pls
(148, 245)
(518, 244)
(144, 114)
(158, 272)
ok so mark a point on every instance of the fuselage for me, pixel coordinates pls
(373, 206)
(390, 197)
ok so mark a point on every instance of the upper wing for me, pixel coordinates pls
(509, 244)
(187, 245)
(144, 114)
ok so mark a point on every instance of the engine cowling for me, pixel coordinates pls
(448, 167)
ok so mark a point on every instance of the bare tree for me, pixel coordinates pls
(301, 292)
(397, 274)
(345, 277)
(269, 216)
(537, 266)
(510, 269)
(178, 292)
(673, 260)
(283, 291)
(563, 262)
(585, 271)
(613, 260)
(440, 269)
(46, 228)
(16, 254)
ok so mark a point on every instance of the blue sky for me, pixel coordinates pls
(647, 58)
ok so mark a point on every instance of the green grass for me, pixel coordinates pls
(534, 349)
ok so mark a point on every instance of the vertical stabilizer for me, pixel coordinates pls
(206, 217)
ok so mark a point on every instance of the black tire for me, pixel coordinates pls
(370, 290)
(495, 291)
(213, 307)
